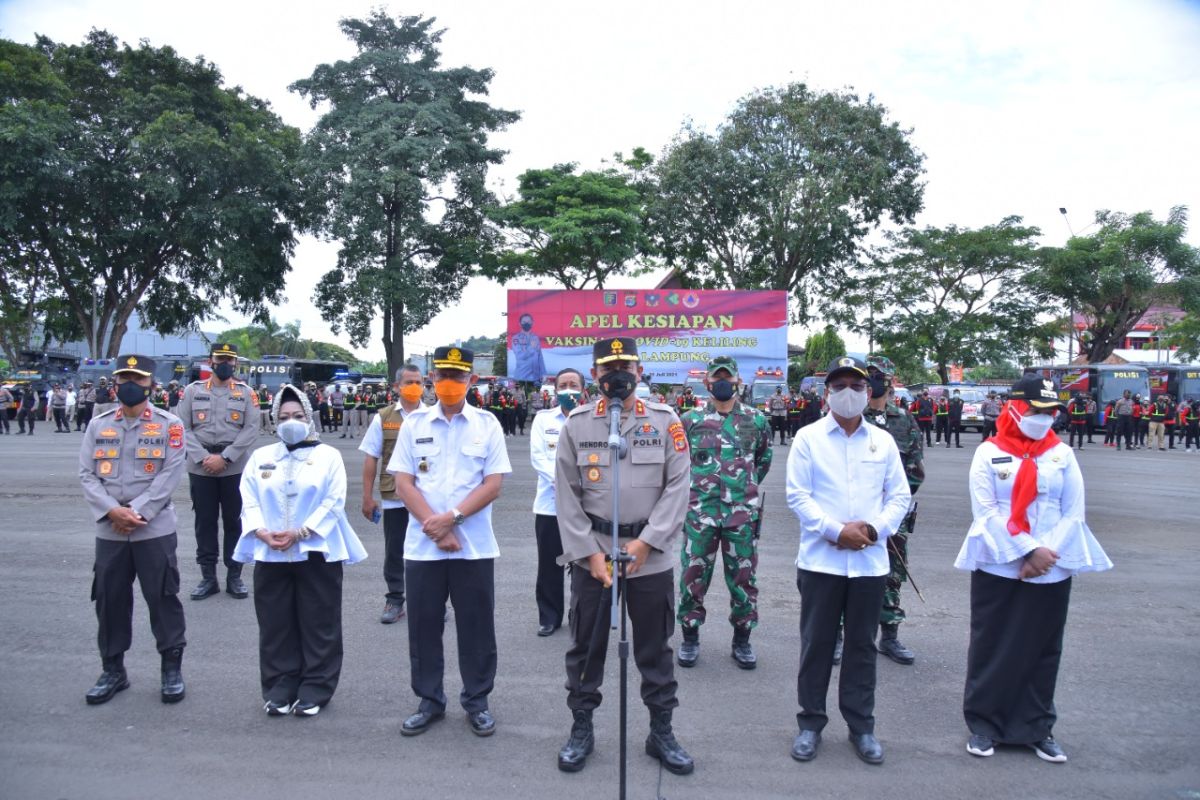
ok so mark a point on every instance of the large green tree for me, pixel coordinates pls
(577, 229)
(784, 192)
(397, 165)
(136, 171)
(954, 296)
(1115, 275)
(822, 347)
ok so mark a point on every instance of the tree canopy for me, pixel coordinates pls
(396, 167)
(578, 230)
(133, 174)
(1115, 275)
(782, 195)
(952, 295)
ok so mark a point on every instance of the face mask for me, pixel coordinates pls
(526, 325)
(292, 431)
(847, 403)
(411, 393)
(618, 385)
(130, 394)
(450, 392)
(722, 390)
(1035, 426)
(223, 371)
(878, 386)
(567, 400)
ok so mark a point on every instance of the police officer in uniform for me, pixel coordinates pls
(221, 418)
(654, 479)
(130, 462)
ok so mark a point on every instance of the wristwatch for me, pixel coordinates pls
(459, 517)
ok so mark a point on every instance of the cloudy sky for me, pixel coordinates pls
(1020, 107)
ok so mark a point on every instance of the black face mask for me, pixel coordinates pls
(223, 371)
(130, 394)
(526, 326)
(618, 385)
(878, 386)
(722, 390)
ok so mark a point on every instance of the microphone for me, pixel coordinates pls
(615, 441)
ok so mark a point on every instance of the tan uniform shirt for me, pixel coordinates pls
(135, 462)
(216, 416)
(653, 481)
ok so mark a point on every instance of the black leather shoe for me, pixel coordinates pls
(172, 675)
(482, 723)
(890, 646)
(804, 748)
(546, 630)
(207, 587)
(573, 755)
(235, 586)
(689, 651)
(419, 722)
(111, 681)
(744, 655)
(867, 747)
(661, 744)
(392, 612)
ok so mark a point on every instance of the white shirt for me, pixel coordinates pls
(1056, 517)
(372, 445)
(448, 458)
(304, 488)
(833, 479)
(543, 447)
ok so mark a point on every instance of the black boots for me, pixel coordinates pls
(890, 646)
(661, 744)
(208, 585)
(172, 675)
(689, 648)
(234, 584)
(574, 753)
(743, 653)
(111, 681)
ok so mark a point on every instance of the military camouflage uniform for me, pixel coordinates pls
(907, 433)
(730, 457)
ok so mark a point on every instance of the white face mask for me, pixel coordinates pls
(292, 431)
(1035, 426)
(847, 403)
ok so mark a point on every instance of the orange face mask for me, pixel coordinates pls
(411, 393)
(450, 392)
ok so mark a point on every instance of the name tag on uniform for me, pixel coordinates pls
(1002, 460)
(425, 440)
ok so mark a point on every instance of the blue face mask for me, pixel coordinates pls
(568, 400)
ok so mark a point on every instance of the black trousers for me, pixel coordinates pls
(213, 496)
(956, 429)
(1077, 432)
(793, 424)
(989, 428)
(1193, 435)
(299, 610)
(1012, 660)
(471, 588)
(941, 429)
(154, 564)
(651, 604)
(548, 590)
(4, 423)
(83, 414)
(1125, 426)
(824, 601)
(395, 525)
(60, 418)
(26, 415)
(926, 426)
(522, 414)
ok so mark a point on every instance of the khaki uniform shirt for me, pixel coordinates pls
(135, 462)
(215, 416)
(653, 481)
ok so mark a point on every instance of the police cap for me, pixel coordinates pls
(454, 358)
(620, 348)
(845, 364)
(225, 349)
(135, 365)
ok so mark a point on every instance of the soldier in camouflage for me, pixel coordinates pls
(882, 411)
(730, 445)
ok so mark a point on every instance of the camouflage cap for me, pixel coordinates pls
(727, 363)
(881, 363)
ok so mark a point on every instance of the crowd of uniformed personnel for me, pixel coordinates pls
(688, 479)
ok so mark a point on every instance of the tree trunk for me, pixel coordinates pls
(393, 337)
(943, 373)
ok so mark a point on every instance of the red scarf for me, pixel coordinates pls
(1010, 439)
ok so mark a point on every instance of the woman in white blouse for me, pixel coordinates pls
(297, 535)
(1027, 541)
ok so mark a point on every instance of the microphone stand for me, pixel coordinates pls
(620, 560)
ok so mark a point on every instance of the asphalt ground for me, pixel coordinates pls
(1128, 695)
